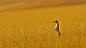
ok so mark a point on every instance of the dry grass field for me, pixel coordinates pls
(35, 28)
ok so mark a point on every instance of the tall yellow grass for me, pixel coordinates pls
(35, 28)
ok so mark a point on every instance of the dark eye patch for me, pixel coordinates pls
(56, 20)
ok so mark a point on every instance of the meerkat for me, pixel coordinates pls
(57, 27)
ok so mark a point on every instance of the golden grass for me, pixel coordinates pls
(35, 28)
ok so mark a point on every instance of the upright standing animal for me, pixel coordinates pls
(57, 27)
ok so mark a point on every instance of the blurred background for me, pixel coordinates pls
(12, 5)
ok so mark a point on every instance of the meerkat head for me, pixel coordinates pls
(56, 21)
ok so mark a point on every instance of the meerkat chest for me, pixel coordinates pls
(57, 25)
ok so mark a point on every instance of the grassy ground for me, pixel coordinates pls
(35, 28)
